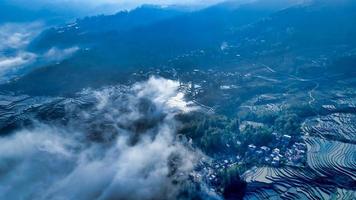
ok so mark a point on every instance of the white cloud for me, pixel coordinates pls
(160, 90)
(56, 54)
(10, 65)
(13, 63)
(14, 39)
(140, 161)
(18, 35)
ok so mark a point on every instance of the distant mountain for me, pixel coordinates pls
(113, 46)
(93, 29)
(315, 24)
(155, 22)
(312, 31)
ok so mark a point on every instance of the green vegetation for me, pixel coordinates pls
(217, 134)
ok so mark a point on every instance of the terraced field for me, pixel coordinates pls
(331, 164)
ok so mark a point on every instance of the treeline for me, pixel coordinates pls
(218, 135)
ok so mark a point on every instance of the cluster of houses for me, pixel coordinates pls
(284, 152)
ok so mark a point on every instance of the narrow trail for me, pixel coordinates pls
(312, 98)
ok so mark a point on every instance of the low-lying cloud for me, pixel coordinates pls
(18, 35)
(56, 54)
(14, 56)
(123, 145)
(14, 38)
(13, 63)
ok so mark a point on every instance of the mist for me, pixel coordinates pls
(135, 155)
